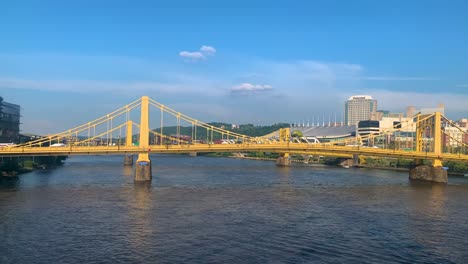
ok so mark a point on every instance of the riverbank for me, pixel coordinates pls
(302, 162)
(12, 167)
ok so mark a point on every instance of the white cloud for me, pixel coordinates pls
(195, 55)
(307, 78)
(313, 87)
(198, 55)
(208, 50)
(248, 87)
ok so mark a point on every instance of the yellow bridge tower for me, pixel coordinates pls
(429, 140)
(284, 137)
(143, 163)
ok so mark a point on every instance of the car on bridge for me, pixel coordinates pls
(58, 145)
(4, 145)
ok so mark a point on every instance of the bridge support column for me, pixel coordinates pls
(193, 154)
(143, 168)
(434, 172)
(356, 162)
(143, 163)
(283, 160)
(428, 173)
(128, 160)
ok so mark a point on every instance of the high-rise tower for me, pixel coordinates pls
(359, 107)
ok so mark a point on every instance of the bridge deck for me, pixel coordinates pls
(299, 148)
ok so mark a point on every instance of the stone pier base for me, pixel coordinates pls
(428, 173)
(356, 162)
(143, 171)
(193, 154)
(347, 163)
(283, 161)
(128, 160)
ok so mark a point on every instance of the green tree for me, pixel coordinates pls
(297, 133)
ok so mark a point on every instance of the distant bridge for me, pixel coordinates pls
(117, 133)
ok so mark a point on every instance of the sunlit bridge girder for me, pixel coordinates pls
(169, 131)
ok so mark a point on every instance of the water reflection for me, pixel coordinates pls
(44, 176)
(430, 198)
(9, 183)
(142, 193)
(428, 213)
(285, 192)
(140, 205)
(285, 173)
(438, 198)
(202, 210)
(127, 170)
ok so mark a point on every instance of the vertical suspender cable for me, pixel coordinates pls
(192, 133)
(161, 126)
(107, 132)
(178, 128)
(120, 134)
(111, 132)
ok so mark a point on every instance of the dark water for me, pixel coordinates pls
(215, 210)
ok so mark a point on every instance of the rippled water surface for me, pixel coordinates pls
(217, 210)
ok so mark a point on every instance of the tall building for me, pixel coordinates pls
(410, 111)
(9, 122)
(359, 107)
(454, 137)
(463, 123)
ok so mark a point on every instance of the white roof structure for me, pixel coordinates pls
(356, 97)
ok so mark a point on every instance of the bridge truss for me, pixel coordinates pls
(146, 126)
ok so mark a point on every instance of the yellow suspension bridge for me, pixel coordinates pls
(119, 133)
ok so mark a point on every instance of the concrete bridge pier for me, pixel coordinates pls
(193, 154)
(283, 160)
(143, 169)
(356, 162)
(128, 160)
(433, 172)
(428, 173)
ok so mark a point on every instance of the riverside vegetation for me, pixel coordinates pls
(11, 166)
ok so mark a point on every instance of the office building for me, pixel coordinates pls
(9, 122)
(410, 111)
(359, 107)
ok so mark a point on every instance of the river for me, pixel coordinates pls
(222, 210)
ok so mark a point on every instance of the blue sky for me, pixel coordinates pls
(68, 62)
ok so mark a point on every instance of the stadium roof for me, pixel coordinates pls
(327, 131)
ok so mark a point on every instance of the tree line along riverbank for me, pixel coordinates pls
(453, 167)
(12, 166)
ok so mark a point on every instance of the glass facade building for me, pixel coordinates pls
(9, 122)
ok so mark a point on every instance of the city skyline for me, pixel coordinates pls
(68, 64)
